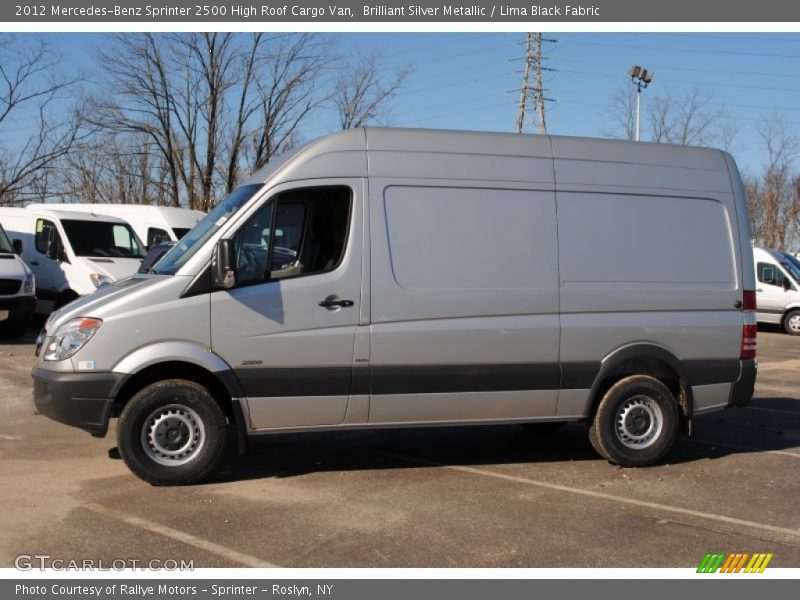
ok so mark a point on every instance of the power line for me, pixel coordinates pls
(684, 50)
(663, 67)
(442, 44)
(683, 81)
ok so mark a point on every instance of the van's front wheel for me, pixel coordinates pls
(172, 433)
(636, 422)
(791, 322)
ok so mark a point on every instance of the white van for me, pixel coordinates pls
(398, 278)
(778, 291)
(153, 224)
(71, 253)
(17, 290)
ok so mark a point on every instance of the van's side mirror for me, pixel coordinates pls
(787, 285)
(223, 266)
(17, 244)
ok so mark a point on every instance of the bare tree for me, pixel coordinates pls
(31, 83)
(773, 196)
(211, 104)
(621, 117)
(689, 118)
(361, 95)
(288, 87)
(122, 168)
(137, 68)
(685, 118)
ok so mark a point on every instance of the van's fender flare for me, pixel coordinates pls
(638, 350)
(186, 352)
(195, 354)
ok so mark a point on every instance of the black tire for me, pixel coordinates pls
(636, 422)
(14, 328)
(791, 322)
(174, 404)
(543, 428)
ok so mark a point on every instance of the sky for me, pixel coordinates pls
(472, 80)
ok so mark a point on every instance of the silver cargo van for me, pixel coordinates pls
(393, 278)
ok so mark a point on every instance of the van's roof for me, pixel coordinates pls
(515, 157)
(73, 215)
(86, 207)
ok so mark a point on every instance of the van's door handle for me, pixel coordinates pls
(332, 302)
(35, 263)
(759, 289)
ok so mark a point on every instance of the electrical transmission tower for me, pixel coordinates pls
(533, 92)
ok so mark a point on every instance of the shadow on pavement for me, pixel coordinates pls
(290, 455)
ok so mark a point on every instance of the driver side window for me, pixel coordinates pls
(308, 237)
(46, 235)
(770, 274)
(252, 246)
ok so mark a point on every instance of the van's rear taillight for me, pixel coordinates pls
(749, 327)
(749, 301)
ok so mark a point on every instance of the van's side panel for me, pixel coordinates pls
(464, 300)
(650, 254)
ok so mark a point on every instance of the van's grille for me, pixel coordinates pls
(9, 286)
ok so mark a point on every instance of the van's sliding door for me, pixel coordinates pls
(464, 291)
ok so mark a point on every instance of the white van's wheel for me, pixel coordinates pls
(791, 322)
(636, 422)
(172, 432)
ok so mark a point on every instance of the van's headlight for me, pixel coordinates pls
(71, 337)
(28, 286)
(100, 280)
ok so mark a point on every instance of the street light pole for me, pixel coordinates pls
(638, 109)
(641, 78)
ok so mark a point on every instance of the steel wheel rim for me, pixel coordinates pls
(639, 422)
(794, 323)
(173, 435)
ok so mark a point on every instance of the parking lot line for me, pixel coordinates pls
(784, 532)
(181, 536)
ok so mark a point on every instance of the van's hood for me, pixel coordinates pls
(113, 268)
(11, 267)
(84, 306)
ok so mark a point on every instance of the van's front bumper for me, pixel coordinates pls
(82, 400)
(18, 307)
(743, 388)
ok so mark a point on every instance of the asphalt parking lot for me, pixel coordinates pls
(456, 497)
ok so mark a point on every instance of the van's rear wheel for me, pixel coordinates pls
(791, 322)
(636, 422)
(172, 433)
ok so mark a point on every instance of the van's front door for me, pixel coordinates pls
(50, 277)
(775, 291)
(288, 326)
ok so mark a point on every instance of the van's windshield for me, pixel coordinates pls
(194, 240)
(5, 243)
(791, 264)
(102, 238)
